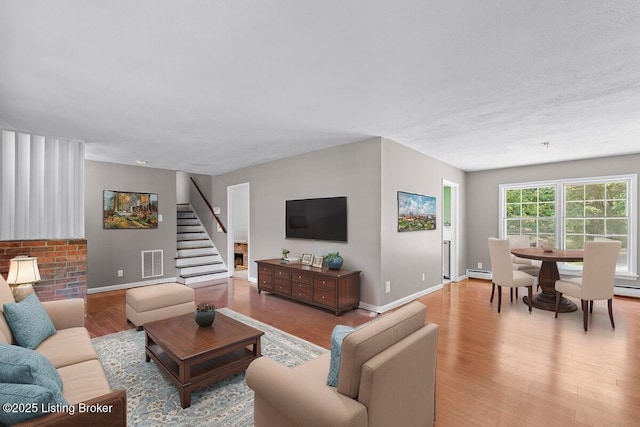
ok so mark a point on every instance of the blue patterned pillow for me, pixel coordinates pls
(20, 402)
(24, 366)
(337, 336)
(29, 321)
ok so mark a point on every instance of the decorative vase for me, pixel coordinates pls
(333, 261)
(205, 318)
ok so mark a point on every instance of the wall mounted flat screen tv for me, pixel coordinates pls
(317, 219)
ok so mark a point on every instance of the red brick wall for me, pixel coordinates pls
(62, 265)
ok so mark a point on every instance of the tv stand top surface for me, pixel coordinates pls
(298, 266)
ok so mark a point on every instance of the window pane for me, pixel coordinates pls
(594, 226)
(530, 209)
(547, 194)
(574, 209)
(617, 190)
(513, 196)
(616, 208)
(547, 209)
(528, 226)
(573, 226)
(547, 226)
(529, 195)
(617, 226)
(594, 208)
(574, 192)
(513, 210)
(513, 226)
(594, 192)
(574, 241)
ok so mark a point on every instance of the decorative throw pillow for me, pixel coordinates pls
(24, 366)
(20, 402)
(337, 336)
(29, 321)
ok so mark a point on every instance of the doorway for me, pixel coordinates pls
(238, 247)
(450, 233)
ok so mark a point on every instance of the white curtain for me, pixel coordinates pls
(41, 187)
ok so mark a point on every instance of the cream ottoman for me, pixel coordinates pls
(157, 302)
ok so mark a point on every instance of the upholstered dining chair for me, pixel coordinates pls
(502, 274)
(598, 277)
(521, 264)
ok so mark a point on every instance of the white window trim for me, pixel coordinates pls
(559, 184)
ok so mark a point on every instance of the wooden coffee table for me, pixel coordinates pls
(193, 357)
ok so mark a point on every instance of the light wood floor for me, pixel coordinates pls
(512, 369)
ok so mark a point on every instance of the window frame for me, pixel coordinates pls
(559, 184)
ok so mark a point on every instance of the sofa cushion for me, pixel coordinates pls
(337, 336)
(84, 381)
(24, 401)
(29, 322)
(6, 296)
(24, 366)
(67, 347)
(361, 345)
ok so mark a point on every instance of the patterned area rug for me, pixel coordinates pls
(153, 401)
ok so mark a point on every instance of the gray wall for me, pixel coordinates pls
(351, 170)
(407, 256)
(369, 173)
(483, 196)
(112, 250)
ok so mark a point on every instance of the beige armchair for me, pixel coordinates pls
(502, 274)
(598, 277)
(386, 377)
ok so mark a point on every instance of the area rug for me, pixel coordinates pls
(153, 401)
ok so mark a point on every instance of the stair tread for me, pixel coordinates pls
(195, 256)
(201, 264)
(187, 276)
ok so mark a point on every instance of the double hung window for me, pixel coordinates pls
(567, 213)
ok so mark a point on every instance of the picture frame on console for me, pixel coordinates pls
(307, 259)
(317, 261)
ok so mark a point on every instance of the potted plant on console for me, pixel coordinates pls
(333, 260)
(205, 314)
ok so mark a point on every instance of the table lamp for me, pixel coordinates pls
(23, 272)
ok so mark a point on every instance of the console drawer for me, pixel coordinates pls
(324, 297)
(303, 291)
(325, 282)
(301, 276)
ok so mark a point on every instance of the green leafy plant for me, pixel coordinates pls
(331, 255)
(205, 307)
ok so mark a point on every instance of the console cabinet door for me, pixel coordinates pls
(281, 281)
(265, 277)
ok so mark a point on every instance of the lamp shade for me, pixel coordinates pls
(23, 269)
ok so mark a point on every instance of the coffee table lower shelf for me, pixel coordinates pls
(200, 374)
(192, 357)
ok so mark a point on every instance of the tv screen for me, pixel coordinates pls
(317, 219)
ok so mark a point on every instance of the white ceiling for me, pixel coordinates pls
(213, 86)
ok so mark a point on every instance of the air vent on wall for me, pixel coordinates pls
(152, 263)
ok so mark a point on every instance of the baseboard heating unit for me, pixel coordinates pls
(473, 273)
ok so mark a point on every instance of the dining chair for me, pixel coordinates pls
(521, 264)
(598, 277)
(502, 274)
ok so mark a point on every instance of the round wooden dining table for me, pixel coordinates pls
(546, 299)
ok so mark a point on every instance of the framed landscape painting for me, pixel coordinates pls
(416, 212)
(126, 210)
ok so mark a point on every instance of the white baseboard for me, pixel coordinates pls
(473, 273)
(399, 302)
(130, 285)
(625, 291)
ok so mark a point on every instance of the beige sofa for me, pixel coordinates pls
(386, 378)
(72, 354)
